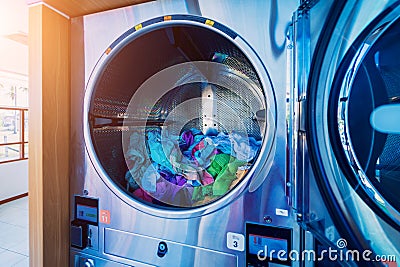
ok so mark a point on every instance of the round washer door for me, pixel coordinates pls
(180, 116)
(353, 121)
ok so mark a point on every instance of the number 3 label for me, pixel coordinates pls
(235, 241)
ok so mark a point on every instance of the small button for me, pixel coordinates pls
(162, 249)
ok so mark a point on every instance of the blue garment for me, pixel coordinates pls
(137, 159)
(245, 148)
(159, 149)
(212, 132)
(193, 183)
(131, 183)
(222, 143)
(150, 178)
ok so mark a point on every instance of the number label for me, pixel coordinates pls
(105, 216)
(235, 241)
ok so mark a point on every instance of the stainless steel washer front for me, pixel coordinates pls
(181, 131)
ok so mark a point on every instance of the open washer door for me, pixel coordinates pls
(353, 120)
(180, 116)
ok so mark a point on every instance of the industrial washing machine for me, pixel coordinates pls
(211, 133)
(179, 134)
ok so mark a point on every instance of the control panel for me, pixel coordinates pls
(267, 244)
(84, 228)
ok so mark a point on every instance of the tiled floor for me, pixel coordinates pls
(14, 235)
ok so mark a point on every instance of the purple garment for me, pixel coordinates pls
(180, 180)
(167, 192)
(167, 176)
(187, 138)
(173, 179)
(167, 186)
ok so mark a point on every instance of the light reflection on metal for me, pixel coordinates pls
(386, 119)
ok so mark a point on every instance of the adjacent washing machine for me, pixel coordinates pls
(347, 130)
(179, 133)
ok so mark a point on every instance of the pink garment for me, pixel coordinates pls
(140, 193)
(207, 178)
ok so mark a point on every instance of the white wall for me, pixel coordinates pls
(13, 179)
(13, 59)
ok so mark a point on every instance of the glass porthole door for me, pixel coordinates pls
(181, 115)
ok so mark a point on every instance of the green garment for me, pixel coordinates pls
(223, 168)
(200, 192)
(218, 162)
(226, 176)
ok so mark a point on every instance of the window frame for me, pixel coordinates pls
(22, 138)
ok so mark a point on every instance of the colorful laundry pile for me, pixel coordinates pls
(188, 170)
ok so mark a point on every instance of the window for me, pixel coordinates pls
(13, 117)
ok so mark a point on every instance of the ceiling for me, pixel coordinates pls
(76, 8)
(14, 36)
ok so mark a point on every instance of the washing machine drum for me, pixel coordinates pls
(177, 116)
